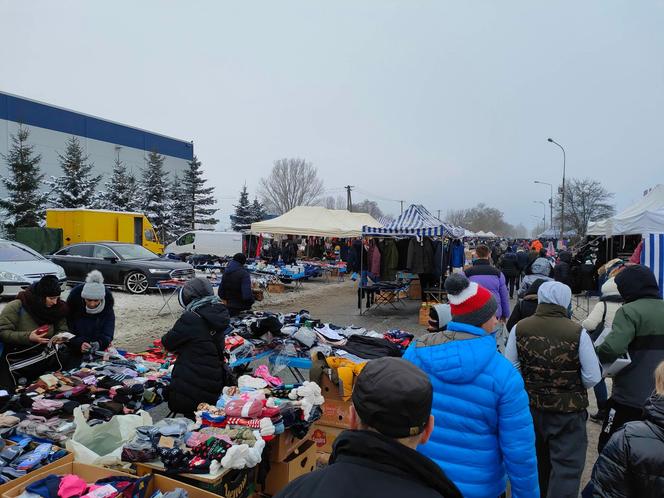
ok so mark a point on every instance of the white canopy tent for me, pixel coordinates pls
(645, 216)
(316, 221)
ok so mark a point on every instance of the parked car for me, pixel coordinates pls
(206, 242)
(20, 266)
(129, 266)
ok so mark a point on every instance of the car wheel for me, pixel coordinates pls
(136, 283)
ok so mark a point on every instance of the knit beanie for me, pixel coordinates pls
(469, 302)
(240, 258)
(94, 286)
(48, 286)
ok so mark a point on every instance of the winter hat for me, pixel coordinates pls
(195, 288)
(637, 282)
(240, 258)
(439, 316)
(554, 293)
(469, 302)
(541, 266)
(94, 286)
(393, 396)
(48, 286)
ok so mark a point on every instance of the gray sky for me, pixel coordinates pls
(441, 103)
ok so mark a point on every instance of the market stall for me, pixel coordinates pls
(427, 246)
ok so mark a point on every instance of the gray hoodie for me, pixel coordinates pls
(540, 269)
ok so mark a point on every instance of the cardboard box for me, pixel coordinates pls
(296, 465)
(322, 460)
(276, 288)
(424, 314)
(285, 444)
(336, 414)
(92, 473)
(329, 389)
(324, 436)
(415, 290)
(68, 458)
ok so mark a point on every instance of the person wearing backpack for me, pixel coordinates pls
(509, 265)
(600, 318)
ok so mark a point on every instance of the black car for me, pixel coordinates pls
(130, 266)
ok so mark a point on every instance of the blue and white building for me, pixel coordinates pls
(103, 140)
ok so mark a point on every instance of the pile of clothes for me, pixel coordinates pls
(25, 456)
(233, 433)
(107, 387)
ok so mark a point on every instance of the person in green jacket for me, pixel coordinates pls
(21, 322)
(638, 329)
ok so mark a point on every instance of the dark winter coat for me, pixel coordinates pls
(420, 256)
(562, 272)
(365, 464)
(509, 264)
(235, 287)
(199, 374)
(89, 328)
(522, 258)
(631, 463)
(526, 306)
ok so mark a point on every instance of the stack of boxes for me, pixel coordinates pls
(335, 418)
(290, 458)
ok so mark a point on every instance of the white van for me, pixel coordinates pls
(206, 242)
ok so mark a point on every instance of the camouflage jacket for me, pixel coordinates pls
(548, 348)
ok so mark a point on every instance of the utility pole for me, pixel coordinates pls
(439, 215)
(349, 199)
(401, 206)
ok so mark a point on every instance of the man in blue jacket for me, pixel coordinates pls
(235, 286)
(483, 427)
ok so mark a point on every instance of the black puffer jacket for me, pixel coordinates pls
(562, 271)
(632, 462)
(367, 464)
(509, 264)
(526, 306)
(198, 339)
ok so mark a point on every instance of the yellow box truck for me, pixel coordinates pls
(95, 225)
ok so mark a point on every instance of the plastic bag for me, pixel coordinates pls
(284, 354)
(102, 444)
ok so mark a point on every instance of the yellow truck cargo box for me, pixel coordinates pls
(95, 225)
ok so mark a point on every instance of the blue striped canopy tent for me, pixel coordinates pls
(652, 256)
(415, 221)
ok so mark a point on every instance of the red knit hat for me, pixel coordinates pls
(469, 302)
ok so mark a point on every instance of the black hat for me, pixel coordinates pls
(637, 282)
(394, 397)
(48, 286)
(240, 258)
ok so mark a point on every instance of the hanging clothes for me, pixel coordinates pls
(374, 258)
(389, 260)
(402, 247)
(420, 256)
(441, 259)
(458, 254)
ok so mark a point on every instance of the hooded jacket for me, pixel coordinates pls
(562, 272)
(366, 463)
(637, 330)
(235, 287)
(491, 278)
(198, 375)
(483, 425)
(632, 461)
(16, 324)
(509, 264)
(540, 269)
(611, 301)
(88, 327)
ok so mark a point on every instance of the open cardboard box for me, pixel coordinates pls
(68, 458)
(299, 463)
(91, 473)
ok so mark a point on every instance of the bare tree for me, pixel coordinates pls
(456, 217)
(367, 206)
(480, 218)
(292, 182)
(331, 202)
(585, 201)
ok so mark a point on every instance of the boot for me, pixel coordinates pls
(599, 417)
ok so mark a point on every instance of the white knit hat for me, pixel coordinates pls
(94, 286)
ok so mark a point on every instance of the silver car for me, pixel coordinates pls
(20, 266)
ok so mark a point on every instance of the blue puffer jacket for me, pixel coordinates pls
(483, 424)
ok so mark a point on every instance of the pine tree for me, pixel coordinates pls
(121, 190)
(179, 217)
(25, 203)
(243, 216)
(199, 197)
(257, 211)
(153, 190)
(76, 188)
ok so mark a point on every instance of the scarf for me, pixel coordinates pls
(97, 310)
(203, 301)
(36, 308)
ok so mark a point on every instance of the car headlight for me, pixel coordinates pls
(159, 270)
(61, 273)
(8, 276)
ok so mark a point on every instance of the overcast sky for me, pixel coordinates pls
(441, 103)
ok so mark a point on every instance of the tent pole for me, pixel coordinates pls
(359, 289)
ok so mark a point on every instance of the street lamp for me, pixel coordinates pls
(550, 201)
(543, 211)
(562, 194)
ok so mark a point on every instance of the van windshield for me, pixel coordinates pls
(133, 251)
